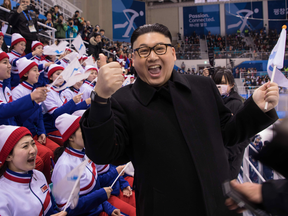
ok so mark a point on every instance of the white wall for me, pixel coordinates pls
(166, 16)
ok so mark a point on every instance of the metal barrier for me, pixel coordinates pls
(51, 30)
(66, 8)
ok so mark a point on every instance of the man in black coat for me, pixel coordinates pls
(95, 45)
(24, 22)
(172, 127)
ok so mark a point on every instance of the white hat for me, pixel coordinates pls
(35, 44)
(90, 67)
(84, 57)
(24, 65)
(53, 68)
(68, 49)
(16, 38)
(10, 135)
(67, 125)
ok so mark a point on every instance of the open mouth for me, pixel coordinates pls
(31, 160)
(155, 69)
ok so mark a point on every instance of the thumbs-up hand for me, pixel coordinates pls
(110, 78)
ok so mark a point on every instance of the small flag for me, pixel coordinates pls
(71, 69)
(79, 45)
(44, 188)
(71, 56)
(127, 80)
(276, 59)
(90, 61)
(56, 50)
(77, 77)
(66, 191)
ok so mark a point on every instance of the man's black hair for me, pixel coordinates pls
(156, 27)
(96, 34)
(102, 30)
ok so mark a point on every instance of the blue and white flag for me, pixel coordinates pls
(79, 45)
(71, 75)
(276, 58)
(54, 49)
(90, 61)
(67, 190)
(71, 56)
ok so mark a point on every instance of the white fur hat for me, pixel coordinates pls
(35, 44)
(53, 68)
(16, 38)
(90, 67)
(10, 135)
(67, 125)
(24, 65)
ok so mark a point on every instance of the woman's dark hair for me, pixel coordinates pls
(156, 27)
(23, 78)
(5, 165)
(11, 48)
(227, 75)
(59, 151)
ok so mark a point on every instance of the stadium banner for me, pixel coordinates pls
(201, 19)
(242, 16)
(128, 15)
(277, 10)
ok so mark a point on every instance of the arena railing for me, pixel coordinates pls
(217, 54)
(51, 30)
(66, 8)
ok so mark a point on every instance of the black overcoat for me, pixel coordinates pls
(150, 134)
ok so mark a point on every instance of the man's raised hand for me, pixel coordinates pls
(110, 78)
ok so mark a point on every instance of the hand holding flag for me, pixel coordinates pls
(120, 174)
(67, 190)
(276, 60)
(71, 75)
(267, 93)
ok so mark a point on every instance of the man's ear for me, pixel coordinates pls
(133, 56)
(174, 53)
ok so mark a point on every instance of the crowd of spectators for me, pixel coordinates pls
(231, 46)
(189, 48)
(264, 42)
(94, 37)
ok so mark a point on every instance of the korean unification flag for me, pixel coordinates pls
(276, 58)
(79, 45)
(71, 56)
(56, 50)
(72, 74)
(67, 189)
(90, 61)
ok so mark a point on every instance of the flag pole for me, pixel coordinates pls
(74, 188)
(120, 174)
(272, 79)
